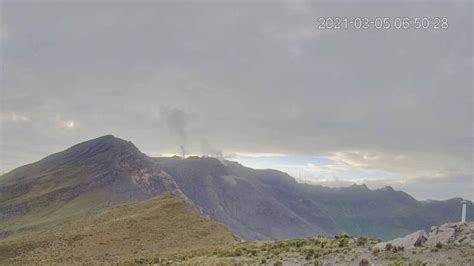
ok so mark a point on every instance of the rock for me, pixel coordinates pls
(408, 242)
(459, 234)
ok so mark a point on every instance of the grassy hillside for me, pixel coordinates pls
(160, 226)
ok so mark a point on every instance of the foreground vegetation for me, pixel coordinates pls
(339, 250)
(166, 231)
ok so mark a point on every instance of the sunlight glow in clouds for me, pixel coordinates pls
(69, 124)
(315, 168)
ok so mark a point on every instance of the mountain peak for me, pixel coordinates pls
(108, 140)
(359, 187)
(107, 146)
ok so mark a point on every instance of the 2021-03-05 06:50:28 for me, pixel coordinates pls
(382, 23)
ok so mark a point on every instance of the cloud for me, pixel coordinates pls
(13, 117)
(260, 78)
(3, 34)
(68, 124)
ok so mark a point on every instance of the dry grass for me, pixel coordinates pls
(155, 228)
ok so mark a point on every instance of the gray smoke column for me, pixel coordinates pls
(177, 122)
(208, 149)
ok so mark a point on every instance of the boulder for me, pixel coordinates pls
(407, 242)
(459, 234)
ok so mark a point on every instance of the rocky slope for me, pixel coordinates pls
(254, 204)
(346, 250)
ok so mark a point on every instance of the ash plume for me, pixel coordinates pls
(177, 122)
(208, 149)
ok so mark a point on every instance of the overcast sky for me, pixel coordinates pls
(254, 82)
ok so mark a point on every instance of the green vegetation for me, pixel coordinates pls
(398, 263)
(362, 241)
(417, 263)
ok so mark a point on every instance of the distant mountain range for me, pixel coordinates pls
(255, 204)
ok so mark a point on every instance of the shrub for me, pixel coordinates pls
(397, 249)
(439, 245)
(418, 263)
(388, 247)
(343, 242)
(318, 263)
(342, 236)
(397, 263)
(252, 252)
(375, 251)
(364, 262)
(237, 253)
(361, 241)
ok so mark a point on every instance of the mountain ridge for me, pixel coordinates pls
(254, 203)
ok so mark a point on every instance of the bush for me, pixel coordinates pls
(388, 247)
(364, 262)
(439, 245)
(397, 263)
(343, 242)
(318, 263)
(342, 236)
(418, 263)
(237, 253)
(397, 249)
(375, 251)
(361, 241)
